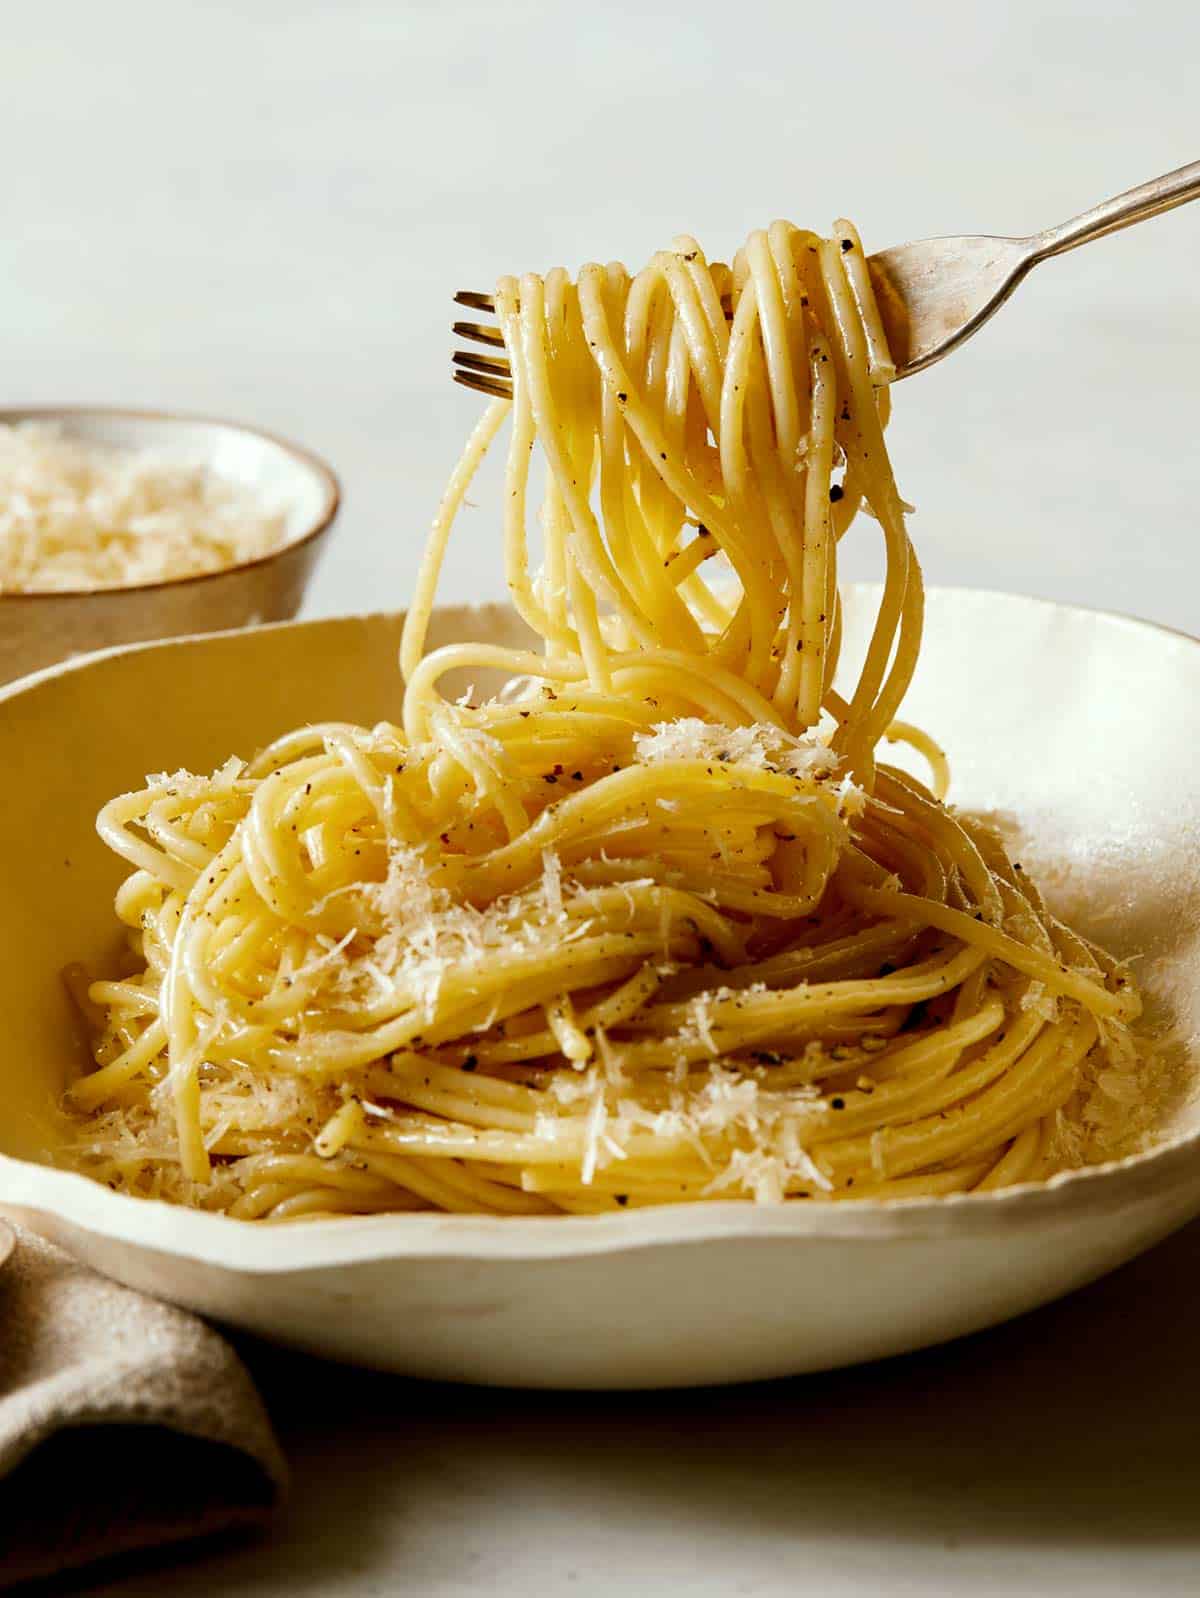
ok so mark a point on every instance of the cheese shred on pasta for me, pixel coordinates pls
(656, 923)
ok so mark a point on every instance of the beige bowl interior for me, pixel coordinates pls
(36, 630)
(1081, 728)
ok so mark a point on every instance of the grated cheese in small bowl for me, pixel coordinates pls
(76, 515)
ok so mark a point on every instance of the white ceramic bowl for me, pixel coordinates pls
(38, 629)
(1083, 725)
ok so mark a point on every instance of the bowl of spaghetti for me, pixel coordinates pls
(625, 1002)
(118, 526)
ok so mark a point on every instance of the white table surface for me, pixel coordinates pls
(261, 209)
(1051, 1458)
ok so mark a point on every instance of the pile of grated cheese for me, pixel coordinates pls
(75, 515)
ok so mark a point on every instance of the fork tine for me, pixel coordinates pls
(489, 365)
(480, 332)
(488, 374)
(485, 385)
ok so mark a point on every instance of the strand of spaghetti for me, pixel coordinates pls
(991, 941)
(588, 546)
(416, 622)
(651, 437)
(814, 597)
(932, 752)
(89, 1091)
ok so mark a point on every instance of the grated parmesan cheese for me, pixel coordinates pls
(1037, 1001)
(75, 516)
(413, 934)
(765, 747)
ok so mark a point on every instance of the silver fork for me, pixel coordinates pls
(932, 294)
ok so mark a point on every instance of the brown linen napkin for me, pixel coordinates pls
(124, 1423)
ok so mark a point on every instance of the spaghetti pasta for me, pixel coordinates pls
(655, 923)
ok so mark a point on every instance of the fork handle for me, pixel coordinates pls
(1135, 205)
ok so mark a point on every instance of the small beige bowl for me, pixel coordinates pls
(40, 629)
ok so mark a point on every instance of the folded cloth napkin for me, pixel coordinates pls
(124, 1423)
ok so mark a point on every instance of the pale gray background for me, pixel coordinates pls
(262, 209)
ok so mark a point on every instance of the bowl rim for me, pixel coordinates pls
(305, 457)
(69, 1198)
(76, 1202)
